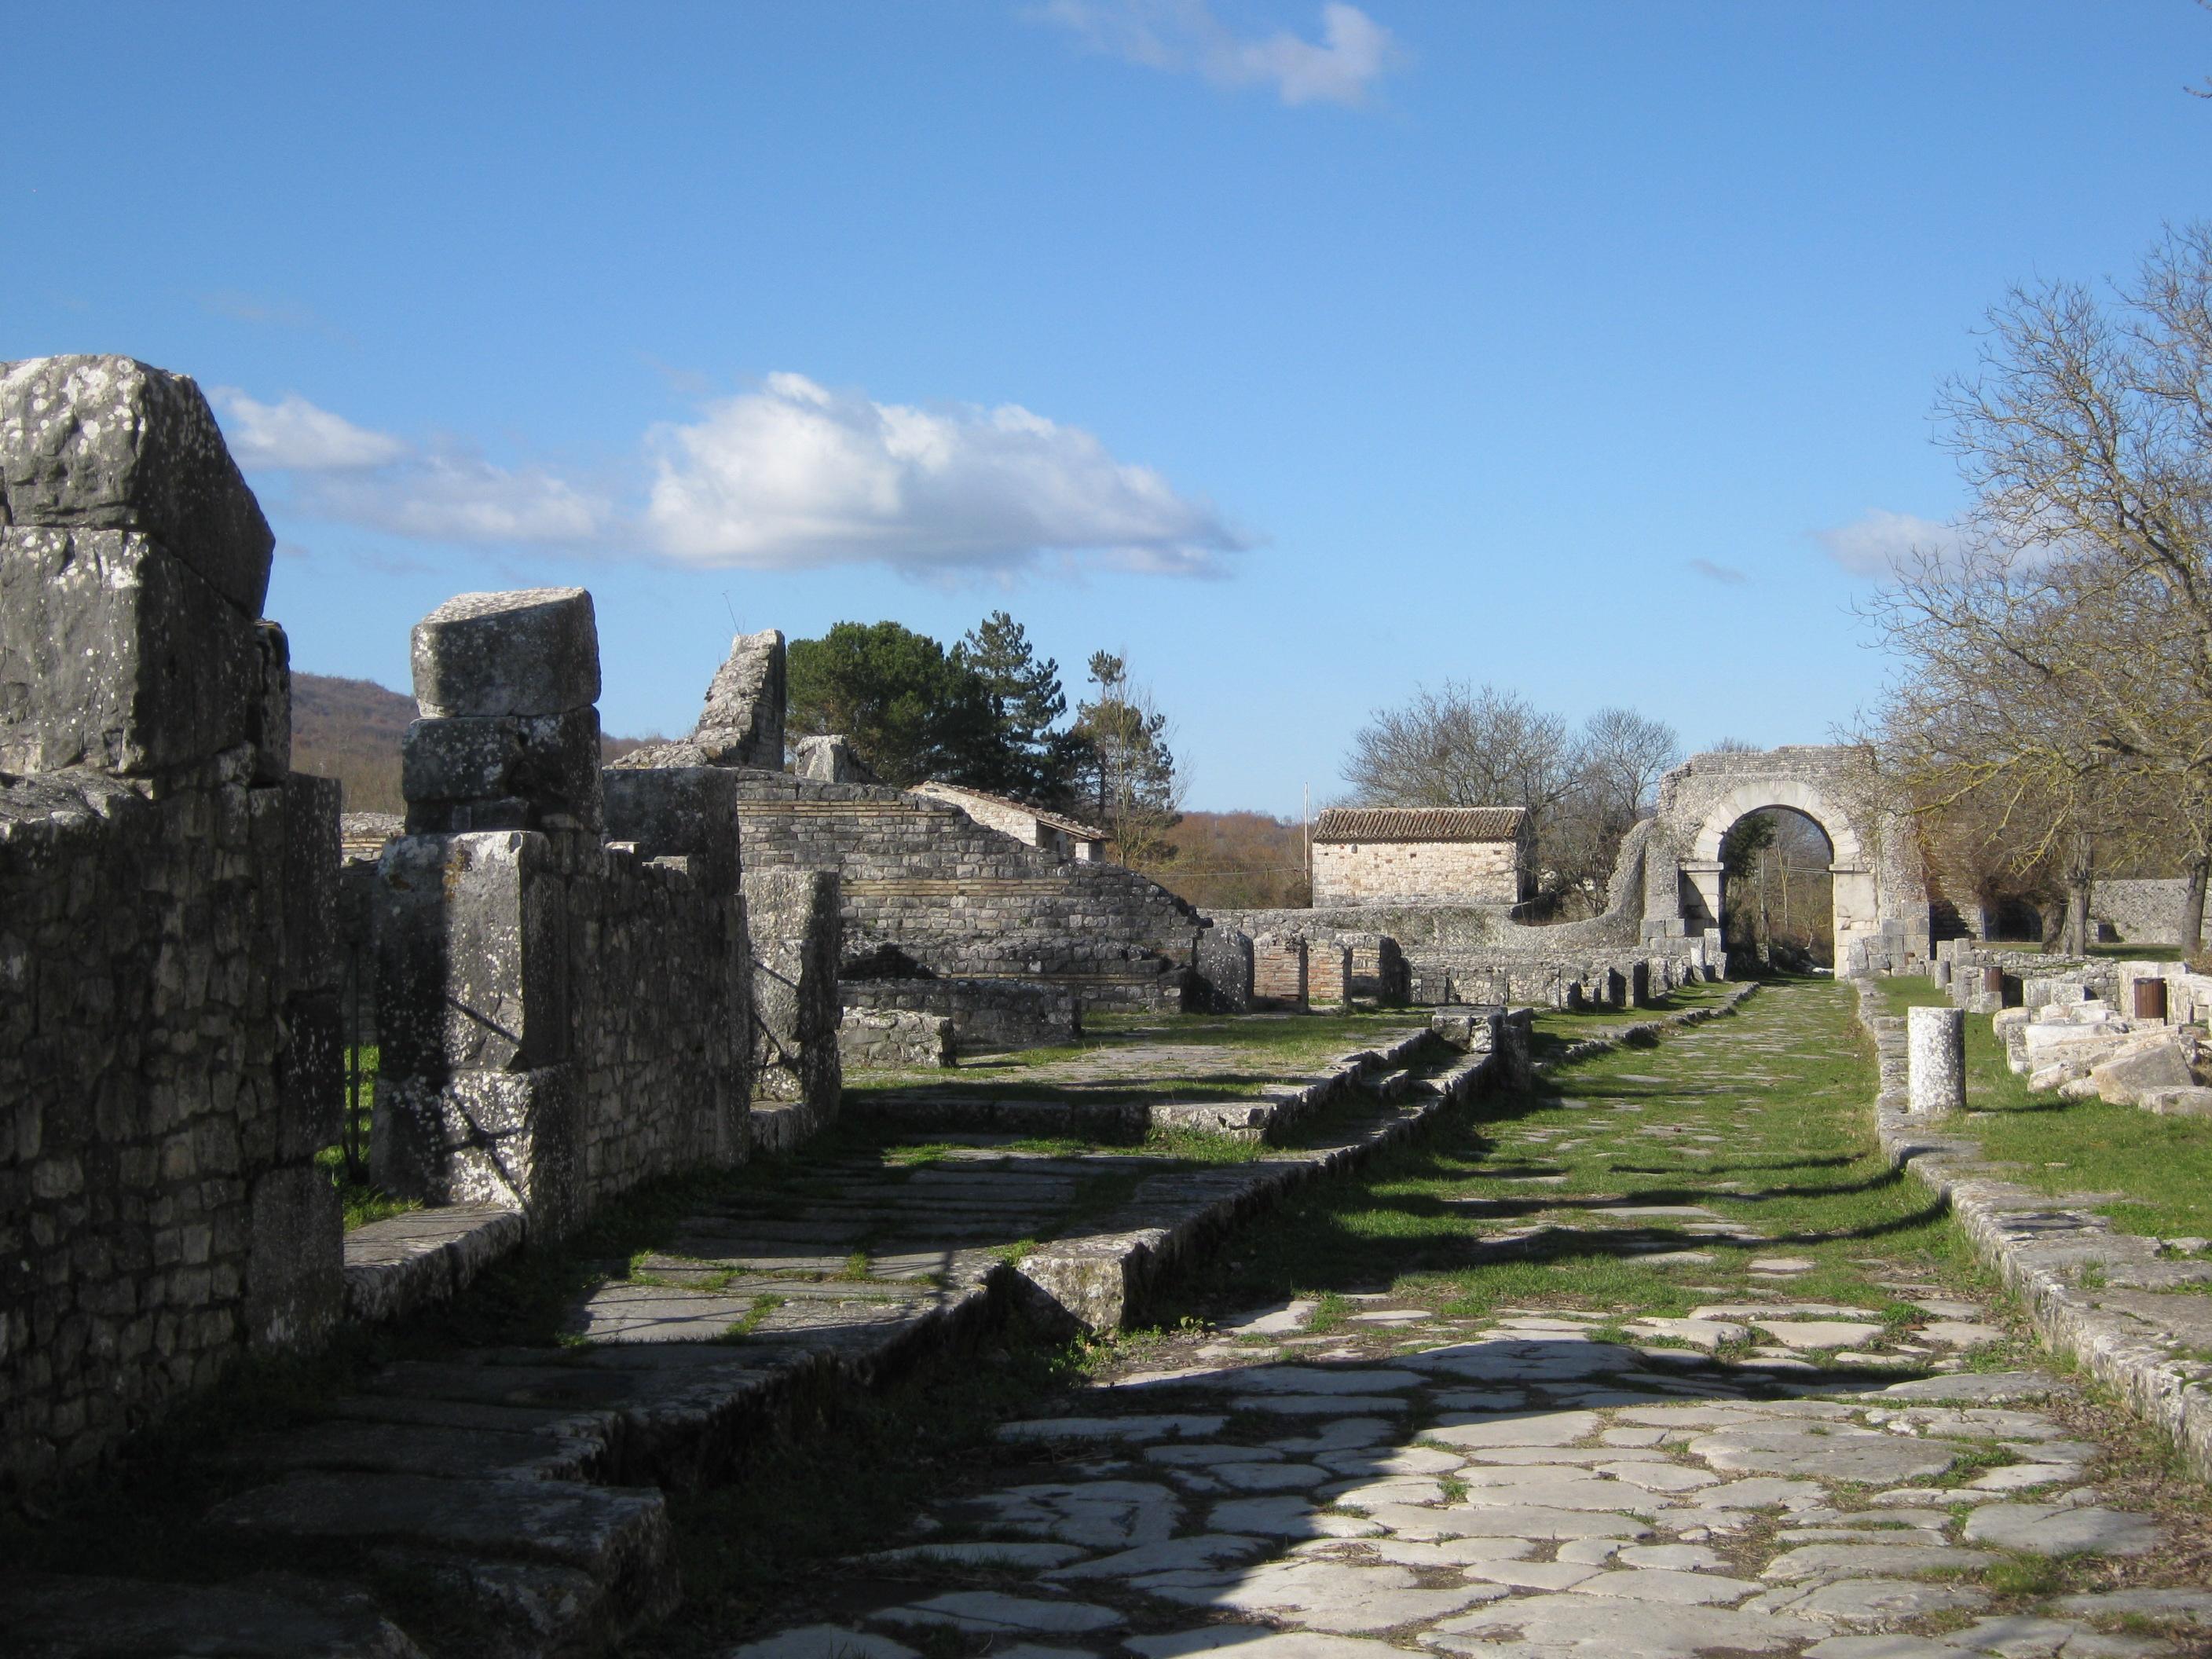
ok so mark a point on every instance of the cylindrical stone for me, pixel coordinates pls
(1936, 1056)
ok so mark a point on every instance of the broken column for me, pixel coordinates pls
(1936, 1050)
(794, 918)
(742, 724)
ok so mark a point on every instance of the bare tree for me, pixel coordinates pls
(2057, 659)
(1125, 741)
(1464, 746)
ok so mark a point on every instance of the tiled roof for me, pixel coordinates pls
(1419, 823)
(1074, 827)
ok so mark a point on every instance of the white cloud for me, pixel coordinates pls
(1184, 36)
(461, 498)
(1878, 541)
(292, 433)
(794, 476)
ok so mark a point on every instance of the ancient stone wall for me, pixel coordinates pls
(793, 917)
(965, 902)
(1328, 972)
(563, 967)
(986, 1013)
(2141, 912)
(1278, 970)
(167, 897)
(1224, 971)
(895, 1041)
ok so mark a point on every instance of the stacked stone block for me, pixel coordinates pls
(1224, 969)
(1280, 971)
(793, 915)
(165, 1050)
(985, 1013)
(562, 1017)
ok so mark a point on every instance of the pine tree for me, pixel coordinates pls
(1027, 704)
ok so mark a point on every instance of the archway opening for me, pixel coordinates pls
(1777, 896)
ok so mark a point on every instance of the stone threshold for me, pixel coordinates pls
(408, 1262)
(2123, 1334)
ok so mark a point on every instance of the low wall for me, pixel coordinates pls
(2147, 912)
(894, 1040)
(986, 1013)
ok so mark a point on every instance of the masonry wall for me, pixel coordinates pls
(2141, 912)
(167, 891)
(986, 1013)
(963, 901)
(1464, 871)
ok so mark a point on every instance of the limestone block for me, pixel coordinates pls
(310, 1077)
(108, 443)
(510, 1138)
(689, 812)
(470, 934)
(796, 932)
(2126, 1078)
(312, 959)
(114, 653)
(269, 729)
(1471, 1029)
(532, 650)
(514, 772)
(829, 759)
(1225, 969)
(742, 724)
(295, 1262)
(1935, 1045)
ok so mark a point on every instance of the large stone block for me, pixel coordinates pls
(310, 1077)
(270, 728)
(511, 772)
(312, 957)
(689, 812)
(510, 1138)
(108, 443)
(793, 917)
(115, 653)
(742, 724)
(471, 955)
(534, 651)
(295, 1265)
(1224, 968)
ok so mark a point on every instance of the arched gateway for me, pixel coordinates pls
(1880, 892)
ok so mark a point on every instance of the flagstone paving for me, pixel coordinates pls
(1579, 1409)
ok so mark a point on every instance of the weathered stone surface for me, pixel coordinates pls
(472, 957)
(423, 1257)
(1936, 1060)
(269, 725)
(267, 1616)
(530, 652)
(824, 1642)
(295, 1284)
(990, 1611)
(2061, 1529)
(689, 812)
(796, 926)
(1330, 1596)
(742, 724)
(1546, 1624)
(1829, 1453)
(829, 758)
(508, 772)
(115, 653)
(2125, 1080)
(109, 443)
(508, 1140)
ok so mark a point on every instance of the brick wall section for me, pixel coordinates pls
(1278, 971)
(1328, 972)
(967, 903)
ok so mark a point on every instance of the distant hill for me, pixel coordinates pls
(350, 730)
(1237, 861)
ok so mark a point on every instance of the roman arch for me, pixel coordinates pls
(1880, 891)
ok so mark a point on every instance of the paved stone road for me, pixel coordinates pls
(1526, 1486)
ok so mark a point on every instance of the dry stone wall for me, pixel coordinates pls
(984, 1013)
(2142, 912)
(167, 901)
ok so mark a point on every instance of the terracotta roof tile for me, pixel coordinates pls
(1419, 823)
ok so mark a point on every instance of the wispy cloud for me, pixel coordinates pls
(1876, 541)
(1727, 573)
(269, 311)
(1343, 66)
(790, 476)
(293, 434)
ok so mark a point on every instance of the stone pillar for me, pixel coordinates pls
(1225, 966)
(797, 932)
(1936, 1048)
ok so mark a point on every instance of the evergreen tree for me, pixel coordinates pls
(1027, 704)
(1127, 770)
(913, 711)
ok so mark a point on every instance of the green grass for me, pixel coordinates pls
(1799, 1145)
(2161, 1165)
(360, 1199)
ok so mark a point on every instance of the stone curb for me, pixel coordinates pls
(410, 1260)
(1650, 1031)
(1098, 1282)
(2037, 1245)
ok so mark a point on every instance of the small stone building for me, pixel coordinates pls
(1454, 855)
(1032, 826)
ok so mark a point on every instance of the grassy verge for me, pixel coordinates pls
(2157, 1169)
(361, 1198)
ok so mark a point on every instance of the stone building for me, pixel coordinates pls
(1445, 854)
(1032, 826)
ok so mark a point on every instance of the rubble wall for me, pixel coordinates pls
(986, 1013)
(167, 905)
(2141, 912)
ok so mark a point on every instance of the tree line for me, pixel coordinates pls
(2051, 717)
(987, 713)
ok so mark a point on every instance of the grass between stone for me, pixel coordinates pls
(361, 1200)
(2157, 1170)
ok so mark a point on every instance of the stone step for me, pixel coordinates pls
(265, 1616)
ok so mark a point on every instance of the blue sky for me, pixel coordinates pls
(1305, 353)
